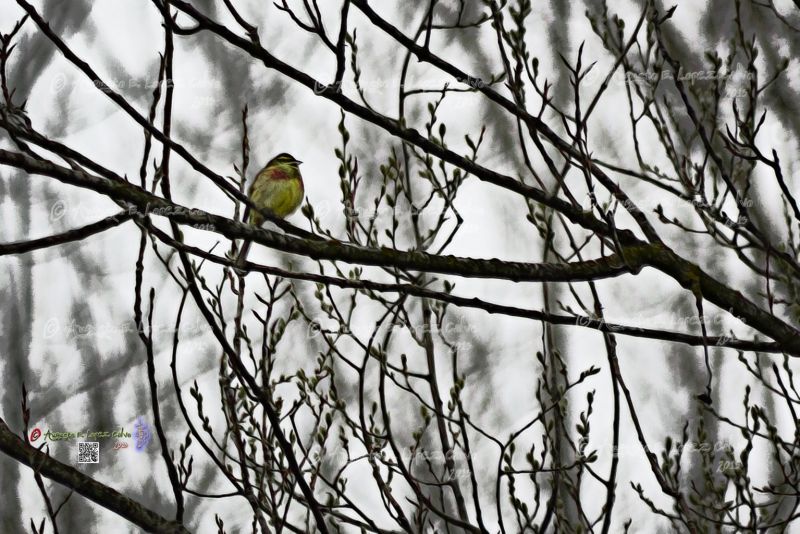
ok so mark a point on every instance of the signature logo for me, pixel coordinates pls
(35, 434)
(141, 434)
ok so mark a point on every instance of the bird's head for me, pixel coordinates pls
(284, 159)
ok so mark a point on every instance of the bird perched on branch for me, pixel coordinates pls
(278, 190)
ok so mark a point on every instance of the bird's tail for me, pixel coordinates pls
(245, 244)
(243, 254)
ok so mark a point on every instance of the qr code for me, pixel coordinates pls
(88, 452)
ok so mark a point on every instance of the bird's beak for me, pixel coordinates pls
(297, 162)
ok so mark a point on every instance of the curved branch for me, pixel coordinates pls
(76, 234)
(144, 203)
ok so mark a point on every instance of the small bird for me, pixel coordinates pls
(278, 190)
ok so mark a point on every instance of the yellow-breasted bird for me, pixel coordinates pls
(277, 189)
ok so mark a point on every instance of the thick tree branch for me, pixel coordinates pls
(147, 203)
(686, 273)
